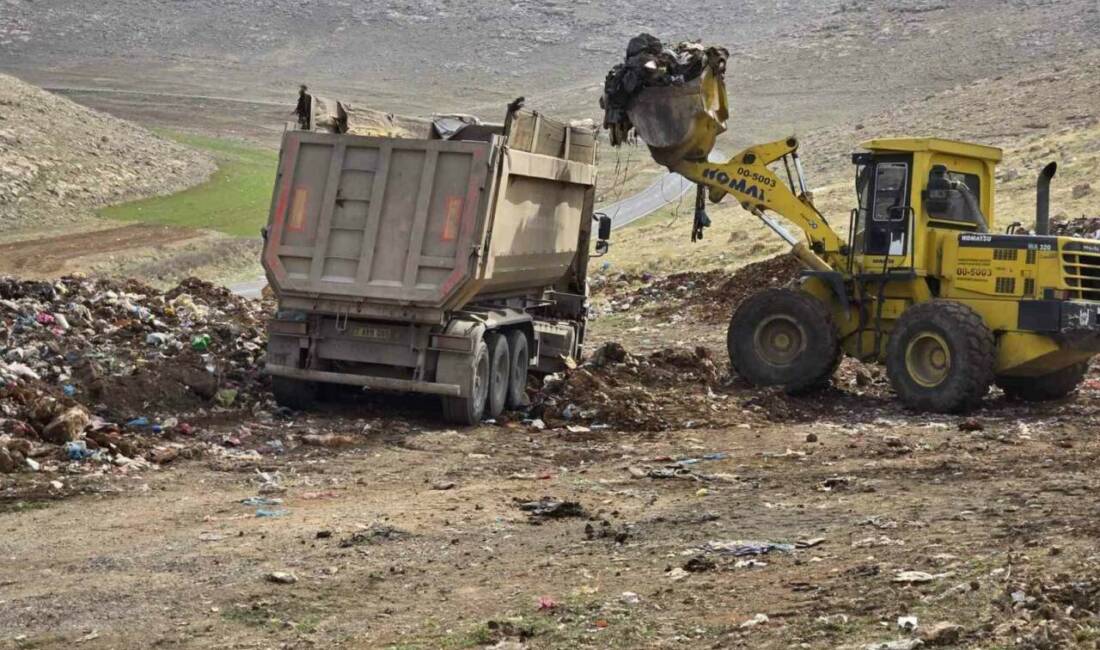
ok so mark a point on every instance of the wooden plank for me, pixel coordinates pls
(374, 212)
(328, 206)
(420, 218)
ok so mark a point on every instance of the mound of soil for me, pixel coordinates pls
(641, 393)
(708, 296)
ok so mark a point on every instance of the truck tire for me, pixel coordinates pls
(294, 394)
(521, 361)
(940, 357)
(470, 410)
(783, 337)
(500, 371)
(1051, 386)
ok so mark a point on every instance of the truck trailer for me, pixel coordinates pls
(448, 259)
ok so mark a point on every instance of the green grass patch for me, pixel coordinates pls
(235, 200)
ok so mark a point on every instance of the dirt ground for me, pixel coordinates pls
(393, 530)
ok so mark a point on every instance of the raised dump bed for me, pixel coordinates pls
(446, 266)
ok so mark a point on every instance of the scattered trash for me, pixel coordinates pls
(677, 574)
(901, 644)
(443, 485)
(739, 548)
(546, 603)
(907, 623)
(374, 534)
(629, 598)
(261, 501)
(281, 577)
(759, 619)
(914, 577)
(699, 564)
(941, 634)
(550, 508)
(262, 512)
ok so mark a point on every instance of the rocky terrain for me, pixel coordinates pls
(59, 161)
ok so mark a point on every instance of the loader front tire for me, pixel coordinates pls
(783, 337)
(941, 357)
(1043, 388)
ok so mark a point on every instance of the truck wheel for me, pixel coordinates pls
(517, 378)
(940, 357)
(470, 410)
(294, 394)
(783, 337)
(500, 367)
(1051, 386)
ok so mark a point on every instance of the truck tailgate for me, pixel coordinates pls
(378, 219)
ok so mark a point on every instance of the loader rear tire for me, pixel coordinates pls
(295, 394)
(1043, 388)
(783, 337)
(521, 361)
(940, 357)
(470, 410)
(500, 371)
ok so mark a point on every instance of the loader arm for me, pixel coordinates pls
(747, 178)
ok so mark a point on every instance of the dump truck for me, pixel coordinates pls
(446, 257)
(921, 283)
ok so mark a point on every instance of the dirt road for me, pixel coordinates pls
(53, 255)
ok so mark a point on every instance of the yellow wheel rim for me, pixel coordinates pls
(928, 359)
(778, 340)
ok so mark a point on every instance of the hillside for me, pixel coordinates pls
(59, 161)
(796, 64)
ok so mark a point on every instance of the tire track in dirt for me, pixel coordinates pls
(50, 255)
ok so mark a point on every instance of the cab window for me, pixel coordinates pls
(890, 191)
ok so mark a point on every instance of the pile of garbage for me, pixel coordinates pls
(650, 63)
(708, 296)
(617, 389)
(96, 366)
(1087, 227)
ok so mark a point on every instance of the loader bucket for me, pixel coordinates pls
(681, 122)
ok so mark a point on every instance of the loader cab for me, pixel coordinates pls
(908, 187)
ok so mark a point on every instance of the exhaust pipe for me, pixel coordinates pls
(1042, 199)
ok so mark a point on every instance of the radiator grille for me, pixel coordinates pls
(1006, 285)
(1006, 254)
(1082, 274)
(1029, 286)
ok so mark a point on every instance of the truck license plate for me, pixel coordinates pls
(376, 333)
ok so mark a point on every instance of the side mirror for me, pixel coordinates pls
(604, 231)
(601, 247)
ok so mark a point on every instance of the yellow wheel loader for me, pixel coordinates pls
(921, 283)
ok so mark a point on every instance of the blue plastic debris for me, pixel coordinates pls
(138, 422)
(270, 513)
(261, 501)
(78, 450)
(69, 390)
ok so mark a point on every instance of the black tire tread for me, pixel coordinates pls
(980, 353)
(828, 356)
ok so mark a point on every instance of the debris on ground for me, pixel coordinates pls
(706, 296)
(645, 393)
(739, 548)
(550, 508)
(281, 577)
(374, 534)
(106, 370)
